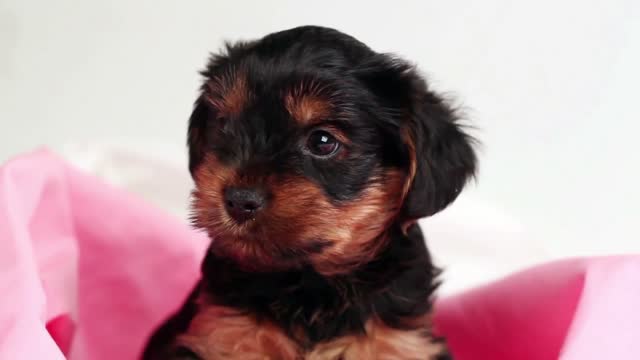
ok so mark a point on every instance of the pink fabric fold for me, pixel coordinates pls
(101, 263)
(577, 309)
(87, 271)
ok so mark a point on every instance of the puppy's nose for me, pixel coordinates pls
(243, 204)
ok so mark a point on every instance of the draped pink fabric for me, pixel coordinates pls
(86, 272)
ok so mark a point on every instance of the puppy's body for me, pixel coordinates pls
(313, 156)
(381, 309)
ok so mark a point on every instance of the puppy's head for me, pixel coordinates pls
(306, 146)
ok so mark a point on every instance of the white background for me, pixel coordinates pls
(551, 85)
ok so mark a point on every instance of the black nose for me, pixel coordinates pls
(243, 204)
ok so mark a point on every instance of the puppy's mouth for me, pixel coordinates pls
(239, 227)
(253, 242)
(242, 227)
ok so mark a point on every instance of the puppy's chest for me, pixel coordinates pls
(380, 312)
(305, 305)
(308, 311)
(219, 332)
(303, 318)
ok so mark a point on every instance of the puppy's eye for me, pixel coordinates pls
(322, 143)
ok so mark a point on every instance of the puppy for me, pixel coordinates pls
(313, 156)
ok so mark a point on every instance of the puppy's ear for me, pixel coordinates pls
(197, 133)
(440, 158)
(202, 110)
(441, 154)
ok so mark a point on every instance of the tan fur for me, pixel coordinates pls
(299, 212)
(305, 104)
(413, 164)
(228, 93)
(379, 343)
(354, 227)
(413, 168)
(208, 203)
(302, 211)
(223, 333)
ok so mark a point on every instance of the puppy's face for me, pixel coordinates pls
(305, 146)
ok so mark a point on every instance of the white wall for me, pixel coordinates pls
(553, 86)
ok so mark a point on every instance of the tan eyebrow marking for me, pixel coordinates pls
(305, 104)
(228, 93)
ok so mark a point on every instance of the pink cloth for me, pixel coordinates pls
(86, 272)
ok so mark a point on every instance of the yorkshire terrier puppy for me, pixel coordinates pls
(313, 156)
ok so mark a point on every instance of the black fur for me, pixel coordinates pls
(397, 286)
(382, 105)
(284, 60)
(330, 307)
(160, 345)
